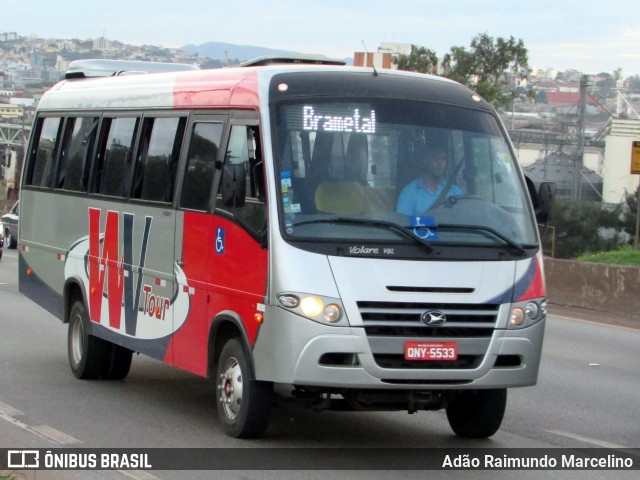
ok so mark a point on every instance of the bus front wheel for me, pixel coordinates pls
(477, 414)
(244, 404)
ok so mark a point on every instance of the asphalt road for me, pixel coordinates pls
(587, 396)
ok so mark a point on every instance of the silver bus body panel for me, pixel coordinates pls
(366, 279)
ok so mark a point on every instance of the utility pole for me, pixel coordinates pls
(577, 174)
(637, 241)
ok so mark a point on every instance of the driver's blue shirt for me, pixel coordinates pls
(416, 198)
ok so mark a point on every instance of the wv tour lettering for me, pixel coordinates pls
(107, 264)
(124, 295)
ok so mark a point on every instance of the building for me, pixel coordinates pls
(619, 135)
(383, 58)
(8, 110)
(560, 169)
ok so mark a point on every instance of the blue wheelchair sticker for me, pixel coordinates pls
(424, 227)
(219, 240)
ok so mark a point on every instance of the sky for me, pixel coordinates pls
(591, 37)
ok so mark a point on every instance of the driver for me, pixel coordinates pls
(418, 196)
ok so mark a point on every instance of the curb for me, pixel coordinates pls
(594, 316)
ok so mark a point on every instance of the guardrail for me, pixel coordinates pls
(593, 286)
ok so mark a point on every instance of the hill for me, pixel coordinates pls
(238, 53)
(220, 51)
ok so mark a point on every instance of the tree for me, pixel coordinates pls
(420, 60)
(587, 227)
(630, 214)
(633, 84)
(604, 87)
(490, 67)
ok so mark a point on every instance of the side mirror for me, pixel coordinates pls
(234, 185)
(542, 199)
(546, 195)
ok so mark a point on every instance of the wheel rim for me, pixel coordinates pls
(77, 335)
(230, 388)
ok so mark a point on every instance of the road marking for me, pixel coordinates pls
(56, 435)
(46, 432)
(8, 409)
(138, 475)
(594, 322)
(593, 441)
(26, 427)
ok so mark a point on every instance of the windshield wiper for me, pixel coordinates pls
(371, 223)
(504, 238)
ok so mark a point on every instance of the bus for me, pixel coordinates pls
(242, 224)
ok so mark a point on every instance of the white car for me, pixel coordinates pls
(9, 223)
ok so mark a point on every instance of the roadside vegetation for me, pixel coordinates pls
(626, 255)
(594, 232)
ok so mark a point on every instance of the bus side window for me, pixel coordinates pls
(203, 153)
(244, 152)
(75, 157)
(157, 159)
(113, 162)
(42, 155)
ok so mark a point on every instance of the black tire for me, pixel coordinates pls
(12, 242)
(244, 404)
(477, 413)
(87, 354)
(118, 362)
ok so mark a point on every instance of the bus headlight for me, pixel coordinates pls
(314, 307)
(524, 314)
(311, 306)
(517, 317)
(332, 313)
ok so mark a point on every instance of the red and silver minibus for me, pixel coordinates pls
(243, 224)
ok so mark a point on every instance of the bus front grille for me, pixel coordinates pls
(389, 324)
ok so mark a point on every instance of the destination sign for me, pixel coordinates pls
(356, 122)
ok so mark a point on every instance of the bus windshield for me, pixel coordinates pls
(393, 170)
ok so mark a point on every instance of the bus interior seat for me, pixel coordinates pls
(340, 198)
(346, 196)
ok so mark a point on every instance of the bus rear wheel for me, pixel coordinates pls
(244, 404)
(87, 354)
(477, 413)
(92, 357)
(118, 362)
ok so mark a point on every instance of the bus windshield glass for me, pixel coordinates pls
(379, 169)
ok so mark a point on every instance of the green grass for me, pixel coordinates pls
(626, 255)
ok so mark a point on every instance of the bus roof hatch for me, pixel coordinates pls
(296, 58)
(107, 68)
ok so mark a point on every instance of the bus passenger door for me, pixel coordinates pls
(195, 242)
(241, 228)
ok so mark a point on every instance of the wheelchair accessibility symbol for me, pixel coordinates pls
(219, 240)
(424, 227)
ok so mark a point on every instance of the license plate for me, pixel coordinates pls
(442, 351)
